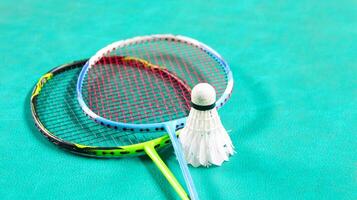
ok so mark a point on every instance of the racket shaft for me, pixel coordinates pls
(151, 152)
(170, 128)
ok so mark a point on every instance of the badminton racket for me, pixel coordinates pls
(59, 118)
(130, 94)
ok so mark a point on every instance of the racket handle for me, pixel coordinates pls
(170, 128)
(151, 152)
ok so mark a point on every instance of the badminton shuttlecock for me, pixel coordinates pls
(204, 139)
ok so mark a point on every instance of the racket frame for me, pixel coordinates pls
(149, 127)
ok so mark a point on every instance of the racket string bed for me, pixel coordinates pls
(61, 127)
(68, 100)
(134, 103)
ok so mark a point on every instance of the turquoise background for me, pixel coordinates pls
(292, 116)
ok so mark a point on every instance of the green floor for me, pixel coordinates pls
(292, 116)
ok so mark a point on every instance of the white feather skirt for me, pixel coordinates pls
(204, 139)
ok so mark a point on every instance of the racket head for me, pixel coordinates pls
(60, 119)
(185, 58)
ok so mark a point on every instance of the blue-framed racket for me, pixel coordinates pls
(143, 84)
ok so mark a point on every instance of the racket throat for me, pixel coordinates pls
(170, 127)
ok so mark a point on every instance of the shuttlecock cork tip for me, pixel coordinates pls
(203, 94)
